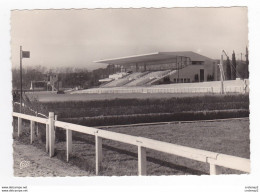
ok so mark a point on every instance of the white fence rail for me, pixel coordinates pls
(228, 89)
(216, 160)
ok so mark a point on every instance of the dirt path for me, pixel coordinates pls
(33, 162)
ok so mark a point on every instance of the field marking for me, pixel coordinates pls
(170, 122)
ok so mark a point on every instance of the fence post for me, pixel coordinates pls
(37, 126)
(37, 129)
(214, 169)
(98, 141)
(32, 131)
(51, 134)
(19, 126)
(47, 137)
(141, 160)
(68, 143)
(55, 118)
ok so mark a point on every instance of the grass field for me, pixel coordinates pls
(228, 137)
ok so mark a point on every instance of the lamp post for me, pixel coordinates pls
(21, 79)
(221, 75)
(23, 54)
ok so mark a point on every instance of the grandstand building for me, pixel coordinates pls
(161, 68)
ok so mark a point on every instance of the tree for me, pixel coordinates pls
(29, 74)
(234, 67)
(247, 63)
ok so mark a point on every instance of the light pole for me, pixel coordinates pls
(221, 75)
(21, 79)
(23, 54)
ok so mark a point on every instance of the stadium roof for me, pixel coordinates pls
(158, 56)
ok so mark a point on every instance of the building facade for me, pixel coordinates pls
(189, 66)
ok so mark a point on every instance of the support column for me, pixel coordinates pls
(32, 131)
(55, 119)
(141, 160)
(98, 141)
(19, 126)
(47, 138)
(51, 134)
(37, 125)
(214, 169)
(68, 143)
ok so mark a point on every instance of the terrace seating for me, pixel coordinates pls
(167, 73)
(108, 84)
(124, 80)
(148, 77)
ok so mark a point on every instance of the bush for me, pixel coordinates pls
(159, 117)
(129, 111)
(144, 106)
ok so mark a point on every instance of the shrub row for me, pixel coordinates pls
(147, 102)
(128, 110)
(159, 117)
(143, 106)
(138, 106)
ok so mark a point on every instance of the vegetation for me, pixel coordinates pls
(70, 77)
(147, 106)
(30, 106)
(234, 67)
(157, 117)
(131, 111)
(29, 74)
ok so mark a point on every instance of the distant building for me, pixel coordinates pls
(50, 81)
(38, 85)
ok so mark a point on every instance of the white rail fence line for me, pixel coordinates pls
(228, 89)
(215, 160)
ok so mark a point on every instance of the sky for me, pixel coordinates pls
(76, 38)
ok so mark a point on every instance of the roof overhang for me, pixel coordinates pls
(159, 56)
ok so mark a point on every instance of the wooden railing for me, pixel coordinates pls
(215, 160)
